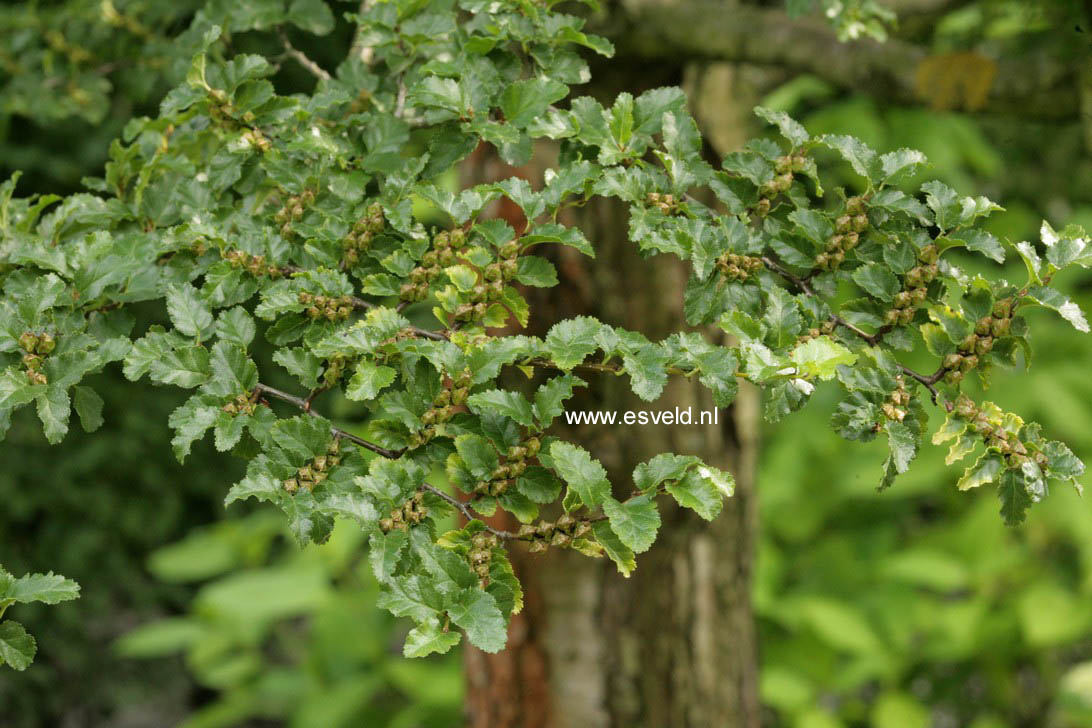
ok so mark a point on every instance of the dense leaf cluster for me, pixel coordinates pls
(327, 224)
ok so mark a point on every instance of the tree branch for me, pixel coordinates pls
(928, 381)
(464, 509)
(305, 405)
(301, 58)
(1033, 85)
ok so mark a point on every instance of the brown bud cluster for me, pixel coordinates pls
(410, 513)
(254, 135)
(359, 239)
(335, 367)
(560, 533)
(442, 410)
(895, 406)
(241, 405)
(493, 279)
(36, 347)
(986, 330)
(783, 175)
(916, 289)
(848, 229)
(447, 246)
(666, 203)
(825, 329)
(315, 471)
(329, 307)
(481, 554)
(293, 210)
(1012, 449)
(738, 267)
(253, 264)
(513, 464)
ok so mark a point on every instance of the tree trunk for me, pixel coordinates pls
(674, 644)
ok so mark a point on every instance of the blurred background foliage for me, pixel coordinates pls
(914, 608)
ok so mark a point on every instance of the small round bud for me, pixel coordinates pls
(291, 485)
(850, 240)
(984, 345)
(28, 341)
(46, 344)
(533, 446)
(953, 377)
(844, 224)
(952, 361)
(928, 254)
(1000, 327)
(860, 223)
(509, 249)
(982, 327)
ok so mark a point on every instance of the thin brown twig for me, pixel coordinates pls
(301, 58)
(928, 381)
(464, 509)
(305, 405)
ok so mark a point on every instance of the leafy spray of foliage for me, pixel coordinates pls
(244, 210)
(17, 646)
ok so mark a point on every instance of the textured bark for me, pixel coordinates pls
(673, 645)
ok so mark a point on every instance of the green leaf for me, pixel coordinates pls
(476, 612)
(662, 468)
(503, 402)
(791, 129)
(16, 390)
(697, 493)
(189, 314)
(569, 342)
(17, 648)
(236, 326)
(368, 380)
(899, 162)
(980, 241)
(877, 280)
(427, 638)
(1057, 301)
(46, 588)
(860, 157)
(539, 485)
(1014, 498)
(524, 101)
(635, 520)
(616, 551)
(782, 318)
(478, 454)
(944, 202)
(820, 357)
(88, 406)
(584, 474)
(54, 408)
(550, 398)
(536, 271)
(902, 444)
(984, 471)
